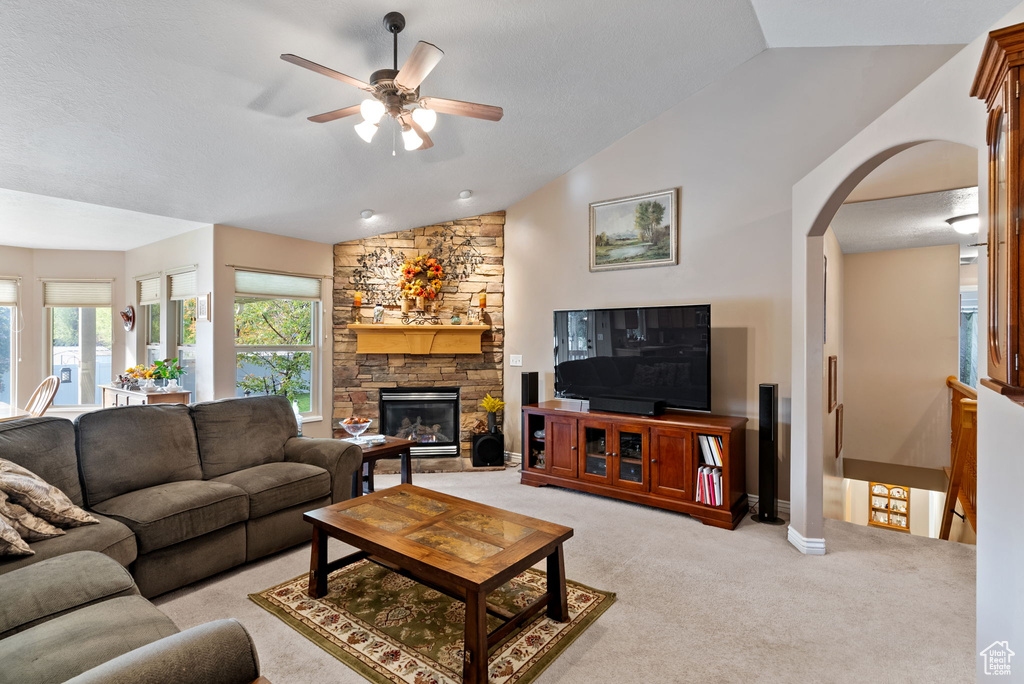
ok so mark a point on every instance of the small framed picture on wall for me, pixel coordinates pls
(203, 307)
(833, 383)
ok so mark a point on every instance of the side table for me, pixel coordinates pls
(393, 447)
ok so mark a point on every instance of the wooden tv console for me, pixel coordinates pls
(647, 460)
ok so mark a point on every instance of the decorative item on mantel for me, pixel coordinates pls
(421, 279)
(492, 406)
(456, 318)
(378, 313)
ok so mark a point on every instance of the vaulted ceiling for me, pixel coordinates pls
(184, 109)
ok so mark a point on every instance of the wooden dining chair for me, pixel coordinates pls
(43, 396)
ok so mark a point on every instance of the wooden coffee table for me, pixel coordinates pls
(461, 548)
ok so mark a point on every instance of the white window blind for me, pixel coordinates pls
(255, 284)
(183, 285)
(8, 292)
(76, 293)
(149, 291)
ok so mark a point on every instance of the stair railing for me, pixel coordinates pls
(963, 470)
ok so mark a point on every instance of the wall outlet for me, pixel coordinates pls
(515, 359)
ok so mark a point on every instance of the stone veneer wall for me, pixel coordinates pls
(358, 377)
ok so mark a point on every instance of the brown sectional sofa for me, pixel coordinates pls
(182, 492)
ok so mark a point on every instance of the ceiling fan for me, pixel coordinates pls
(396, 92)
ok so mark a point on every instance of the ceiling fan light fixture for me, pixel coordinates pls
(372, 110)
(426, 118)
(967, 224)
(411, 139)
(366, 130)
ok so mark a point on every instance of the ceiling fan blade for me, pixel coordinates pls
(459, 108)
(406, 118)
(422, 60)
(336, 114)
(337, 75)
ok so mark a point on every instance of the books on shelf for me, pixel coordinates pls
(710, 449)
(709, 486)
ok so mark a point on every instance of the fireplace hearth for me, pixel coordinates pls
(429, 416)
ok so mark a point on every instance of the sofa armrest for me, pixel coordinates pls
(341, 459)
(42, 591)
(218, 652)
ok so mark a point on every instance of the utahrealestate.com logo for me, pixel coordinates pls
(997, 658)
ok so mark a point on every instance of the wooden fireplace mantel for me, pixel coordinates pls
(418, 339)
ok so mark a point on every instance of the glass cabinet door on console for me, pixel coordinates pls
(629, 457)
(595, 441)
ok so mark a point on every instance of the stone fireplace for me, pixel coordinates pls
(364, 383)
(428, 416)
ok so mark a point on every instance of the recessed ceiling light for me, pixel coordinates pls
(465, 194)
(366, 213)
(967, 224)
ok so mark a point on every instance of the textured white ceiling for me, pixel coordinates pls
(905, 222)
(40, 222)
(184, 109)
(823, 23)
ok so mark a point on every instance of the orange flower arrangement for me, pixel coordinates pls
(421, 277)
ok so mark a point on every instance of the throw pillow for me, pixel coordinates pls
(26, 488)
(11, 543)
(30, 527)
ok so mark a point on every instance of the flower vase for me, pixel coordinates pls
(172, 385)
(405, 306)
(420, 302)
(492, 422)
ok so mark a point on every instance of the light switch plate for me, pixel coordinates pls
(515, 359)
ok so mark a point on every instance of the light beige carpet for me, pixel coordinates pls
(695, 603)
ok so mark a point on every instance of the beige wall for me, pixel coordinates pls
(735, 149)
(833, 346)
(31, 265)
(901, 343)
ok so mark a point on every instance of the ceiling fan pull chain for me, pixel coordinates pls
(394, 143)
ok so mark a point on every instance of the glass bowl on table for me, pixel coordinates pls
(356, 426)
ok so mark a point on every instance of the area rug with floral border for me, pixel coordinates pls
(391, 629)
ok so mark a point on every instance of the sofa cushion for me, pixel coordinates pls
(46, 446)
(128, 448)
(108, 537)
(240, 433)
(57, 585)
(170, 513)
(27, 489)
(274, 486)
(59, 649)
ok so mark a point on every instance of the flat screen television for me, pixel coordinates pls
(657, 352)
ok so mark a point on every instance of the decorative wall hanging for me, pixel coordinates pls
(635, 232)
(833, 383)
(128, 317)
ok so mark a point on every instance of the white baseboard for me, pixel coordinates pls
(809, 546)
(513, 458)
(780, 505)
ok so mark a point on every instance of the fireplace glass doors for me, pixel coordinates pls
(427, 416)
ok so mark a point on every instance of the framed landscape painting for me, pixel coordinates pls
(635, 232)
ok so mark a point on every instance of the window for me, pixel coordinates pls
(149, 319)
(8, 328)
(183, 315)
(80, 338)
(277, 346)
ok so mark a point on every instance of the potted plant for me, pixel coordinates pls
(169, 370)
(492, 406)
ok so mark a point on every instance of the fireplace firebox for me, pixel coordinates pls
(429, 416)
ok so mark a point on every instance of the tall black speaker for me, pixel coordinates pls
(530, 392)
(768, 456)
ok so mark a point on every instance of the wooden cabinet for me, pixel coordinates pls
(655, 461)
(115, 396)
(997, 82)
